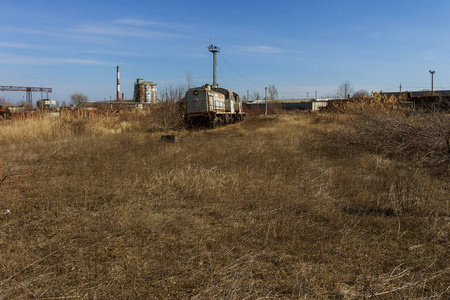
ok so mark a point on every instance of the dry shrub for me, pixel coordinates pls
(422, 137)
(376, 102)
(258, 110)
(379, 125)
(274, 107)
(166, 115)
(254, 111)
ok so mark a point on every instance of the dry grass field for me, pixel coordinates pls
(289, 206)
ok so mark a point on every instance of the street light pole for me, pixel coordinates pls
(432, 75)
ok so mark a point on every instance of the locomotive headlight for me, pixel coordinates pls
(195, 93)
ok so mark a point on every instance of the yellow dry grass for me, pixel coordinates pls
(273, 207)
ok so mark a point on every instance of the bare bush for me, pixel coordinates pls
(360, 94)
(380, 125)
(422, 137)
(79, 99)
(166, 115)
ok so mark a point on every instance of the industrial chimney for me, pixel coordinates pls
(118, 84)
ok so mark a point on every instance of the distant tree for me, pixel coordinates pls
(172, 94)
(78, 99)
(3, 101)
(273, 92)
(344, 90)
(361, 94)
(189, 79)
(256, 95)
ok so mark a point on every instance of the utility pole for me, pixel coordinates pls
(214, 50)
(316, 95)
(307, 95)
(432, 75)
(266, 101)
(400, 87)
(248, 96)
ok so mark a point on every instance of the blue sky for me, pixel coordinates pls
(299, 46)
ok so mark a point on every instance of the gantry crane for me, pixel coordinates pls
(27, 89)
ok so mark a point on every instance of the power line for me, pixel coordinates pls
(239, 72)
(249, 79)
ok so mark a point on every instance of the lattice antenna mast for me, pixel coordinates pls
(214, 50)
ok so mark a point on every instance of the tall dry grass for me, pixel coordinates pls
(69, 124)
(261, 209)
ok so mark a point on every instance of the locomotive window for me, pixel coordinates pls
(196, 93)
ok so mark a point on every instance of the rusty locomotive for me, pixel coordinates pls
(5, 113)
(211, 106)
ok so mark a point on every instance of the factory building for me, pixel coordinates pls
(145, 91)
(47, 104)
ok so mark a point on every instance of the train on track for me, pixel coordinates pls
(212, 106)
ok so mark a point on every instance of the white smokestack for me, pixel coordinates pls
(118, 84)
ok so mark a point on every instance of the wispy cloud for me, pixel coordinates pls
(21, 46)
(139, 22)
(179, 27)
(261, 49)
(101, 32)
(266, 49)
(12, 59)
(24, 30)
(120, 31)
(80, 61)
(54, 32)
(59, 33)
(107, 52)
